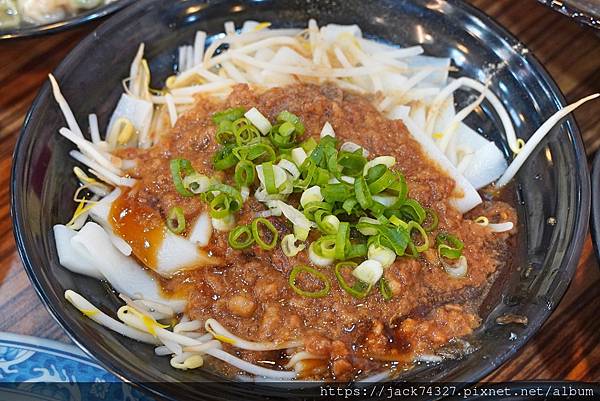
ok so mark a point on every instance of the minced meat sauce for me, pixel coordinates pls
(248, 292)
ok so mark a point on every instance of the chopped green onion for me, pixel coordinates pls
(241, 237)
(369, 271)
(413, 210)
(180, 168)
(286, 129)
(400, 189)
(244, 132)
(412, 226)
(256, 233)
(363, 196)
(224, 158)
(341, 239)
(327, 130)
(383, 255)
(325, 246)
(385, 290)
(258, 120)
(196, 183)
(356, 250)
(335, 192)
(328, 224)
(359, 289)
(225, 132)
(351, 163)
(449, 246)
(398, 222)
(289, 168)
(287, 117)
(269, 174)
(395, 238)
(387, 161)
(309, 145)
(315, 274)
(433, 220)
(231, 115)
(229, 203)
(219, 206)
(300, 232)
(349, 205)
(312, 207)
(244, 173)
(288, 245)
(381, 180)
(257, 152)
(298, 156)
(312, 194)
(176, 220)
(284, 135)
(366, 229)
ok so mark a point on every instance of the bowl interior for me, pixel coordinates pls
(553, 183)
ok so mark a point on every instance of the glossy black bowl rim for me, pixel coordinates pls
(68, 23)
(595, 218)
(569, 262)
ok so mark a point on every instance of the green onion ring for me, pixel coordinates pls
(220, 206)
(256, 233)
(316, 274)
(413, 210)
(325, 246)
(382, 182)
(180, 168)
(385, 290)
(256, 152)
(433, 217)
(225, 132)
(244, 132)
(241, 237)
(244, 173)
(235, 197)
(312, 207)
(413, 225)
(175, 216)
(359, 289)
(286, 116)
(449, 246)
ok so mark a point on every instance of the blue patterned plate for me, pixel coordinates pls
(36, 368)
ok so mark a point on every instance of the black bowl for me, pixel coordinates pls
(595, 219)
(28, 30)
(553, 184)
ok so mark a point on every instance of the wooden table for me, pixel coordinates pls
(565, 348)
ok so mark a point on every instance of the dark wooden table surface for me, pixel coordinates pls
(565, 348)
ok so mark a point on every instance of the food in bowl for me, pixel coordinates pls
(294, 204)
(14, 13)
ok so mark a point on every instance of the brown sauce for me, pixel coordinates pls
(140, 226)
(249, 293)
